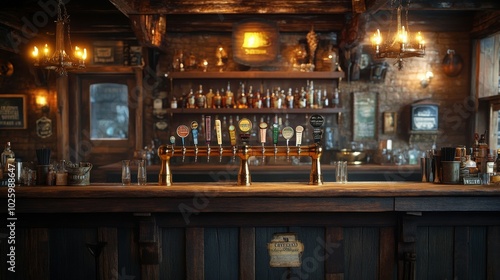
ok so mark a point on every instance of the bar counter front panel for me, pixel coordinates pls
(358, 230)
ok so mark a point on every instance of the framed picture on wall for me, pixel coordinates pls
(390, 122)
(13, 111)
(364, 111)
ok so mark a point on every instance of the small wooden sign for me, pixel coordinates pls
(285, 250)
(255, 42)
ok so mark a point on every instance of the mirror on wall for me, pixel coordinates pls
(109, 112)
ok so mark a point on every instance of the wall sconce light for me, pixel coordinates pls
(42, 102)
(426, 80)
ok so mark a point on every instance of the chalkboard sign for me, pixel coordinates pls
(364, 116)
(13, 111)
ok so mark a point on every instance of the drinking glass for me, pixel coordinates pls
(125, 172)
(341, 172)
(141, 172)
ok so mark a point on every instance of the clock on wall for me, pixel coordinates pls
(424, 116)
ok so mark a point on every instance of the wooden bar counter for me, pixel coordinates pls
(357, 230)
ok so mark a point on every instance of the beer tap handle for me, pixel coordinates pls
(194, 131)
(195, 153)
(172, 142)
(262, 135)
(218, 132)
(208, 129)
(317, 122)
(276, 132)
(208, 134)
(298, 138)
(287, 133)
(232, 135)
(208, 152)
(183, 132)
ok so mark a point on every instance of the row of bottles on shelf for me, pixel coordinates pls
(267, 130)
(306, 97)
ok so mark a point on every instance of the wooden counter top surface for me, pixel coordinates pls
(259, 197)
(350, 189)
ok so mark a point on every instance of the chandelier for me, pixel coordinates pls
(60, 61)
(401, 46)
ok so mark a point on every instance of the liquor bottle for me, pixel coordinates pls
(283, 98)
(257, 101)
(242, 98)
(276, 101)
(303, 99)
(224, 98)
(217, 101)
(266, 100)
(8, 157)
(336, 98)
(319, 99)
(200, 98)
(290, 99)
(250, 97)
(310, 95)
(182, 102)
(229, 96)
(325, 101)
(191, 100)
(210, 99)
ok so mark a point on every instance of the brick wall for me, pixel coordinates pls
(25, 80)
(399, 90)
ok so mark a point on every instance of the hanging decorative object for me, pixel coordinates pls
(452, 64)
(312, 42)
(400, 45)
(60, 61)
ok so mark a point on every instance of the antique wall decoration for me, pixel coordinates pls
(13, 111)
(365, 107)
(255, 42)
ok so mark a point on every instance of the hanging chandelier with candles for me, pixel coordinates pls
(400, 45)
(60, 61)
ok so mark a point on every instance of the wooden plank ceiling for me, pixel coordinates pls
(110, 19)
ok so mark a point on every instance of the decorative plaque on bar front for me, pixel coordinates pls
(285, 250)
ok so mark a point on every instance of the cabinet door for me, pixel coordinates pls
(107, 128)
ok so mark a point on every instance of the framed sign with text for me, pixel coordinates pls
(255, 42)
(364, 111)
(13, 111)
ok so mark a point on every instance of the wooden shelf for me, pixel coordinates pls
(255, 111)
(255, 75)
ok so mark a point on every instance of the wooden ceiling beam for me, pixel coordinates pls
(233, 6)
(358, 6)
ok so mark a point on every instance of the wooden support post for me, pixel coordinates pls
(195, 254)
(334, 264)
(62, 118)
(36, 243)
(149, 248)
(108, 259)
(247, 253)
(407, 255)
(387, 241)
